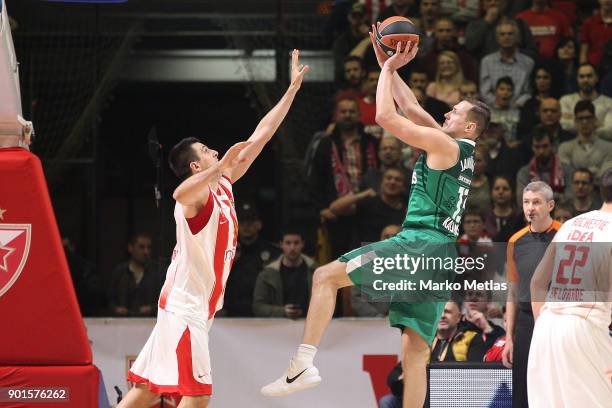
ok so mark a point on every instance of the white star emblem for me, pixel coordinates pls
(5, 251)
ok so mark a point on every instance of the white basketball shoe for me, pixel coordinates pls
(296, 378)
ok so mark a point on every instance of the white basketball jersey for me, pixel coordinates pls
(203, 256)
(580, 282)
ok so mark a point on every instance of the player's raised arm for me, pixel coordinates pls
(270, 123)
(402, 94)
(441, 147)
(193, 192)
(541, 278)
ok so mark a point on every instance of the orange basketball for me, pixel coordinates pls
(396, 30)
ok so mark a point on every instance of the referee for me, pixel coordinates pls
(525, 250)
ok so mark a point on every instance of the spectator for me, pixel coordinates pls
(565, 65)
(525, 250)
(252, 253)
(504, 218)
(508, 61)
(452, 342)
(437, 109)
(481, 36)
(502, 160)
(367, 104)
(563, 212)
(477, 305)
(583, 197)
(354, 76)
(430, 11)
(547, 26)
(445, 39)
(449, 76)
(544, 166)
(587, 91)
(389, 156)
(373, 211)
(283, 288)
(542, 88)
(404, 8)
(135, 284)
(356, 31)
(549, 117)
(503, 112)
(461, 11)
(586, 150)
(480, 196)
(468, 91)
(338, 166)
(595, 33)
(474, 231)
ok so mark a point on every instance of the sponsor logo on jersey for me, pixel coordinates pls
(14, 250)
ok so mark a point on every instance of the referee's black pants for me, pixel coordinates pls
(522, 341)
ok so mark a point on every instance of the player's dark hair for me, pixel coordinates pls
(181, 155)
(605, 186)
(481, 115)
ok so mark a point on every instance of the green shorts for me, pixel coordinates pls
(410, 271)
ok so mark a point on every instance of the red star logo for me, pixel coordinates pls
(4, 254)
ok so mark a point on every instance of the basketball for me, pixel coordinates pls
(395, 30)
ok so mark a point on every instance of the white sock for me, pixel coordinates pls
(305, 355)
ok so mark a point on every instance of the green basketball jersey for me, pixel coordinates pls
(437, 198)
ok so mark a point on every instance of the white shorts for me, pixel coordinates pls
(567, 362)
(175, 359)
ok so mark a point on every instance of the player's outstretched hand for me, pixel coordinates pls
(297, 70)
(381, 57)
(401, 58)
(232, 156)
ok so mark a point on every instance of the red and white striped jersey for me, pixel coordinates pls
(582, 272)
(203, 256)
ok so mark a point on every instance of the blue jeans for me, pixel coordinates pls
(390, 401)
